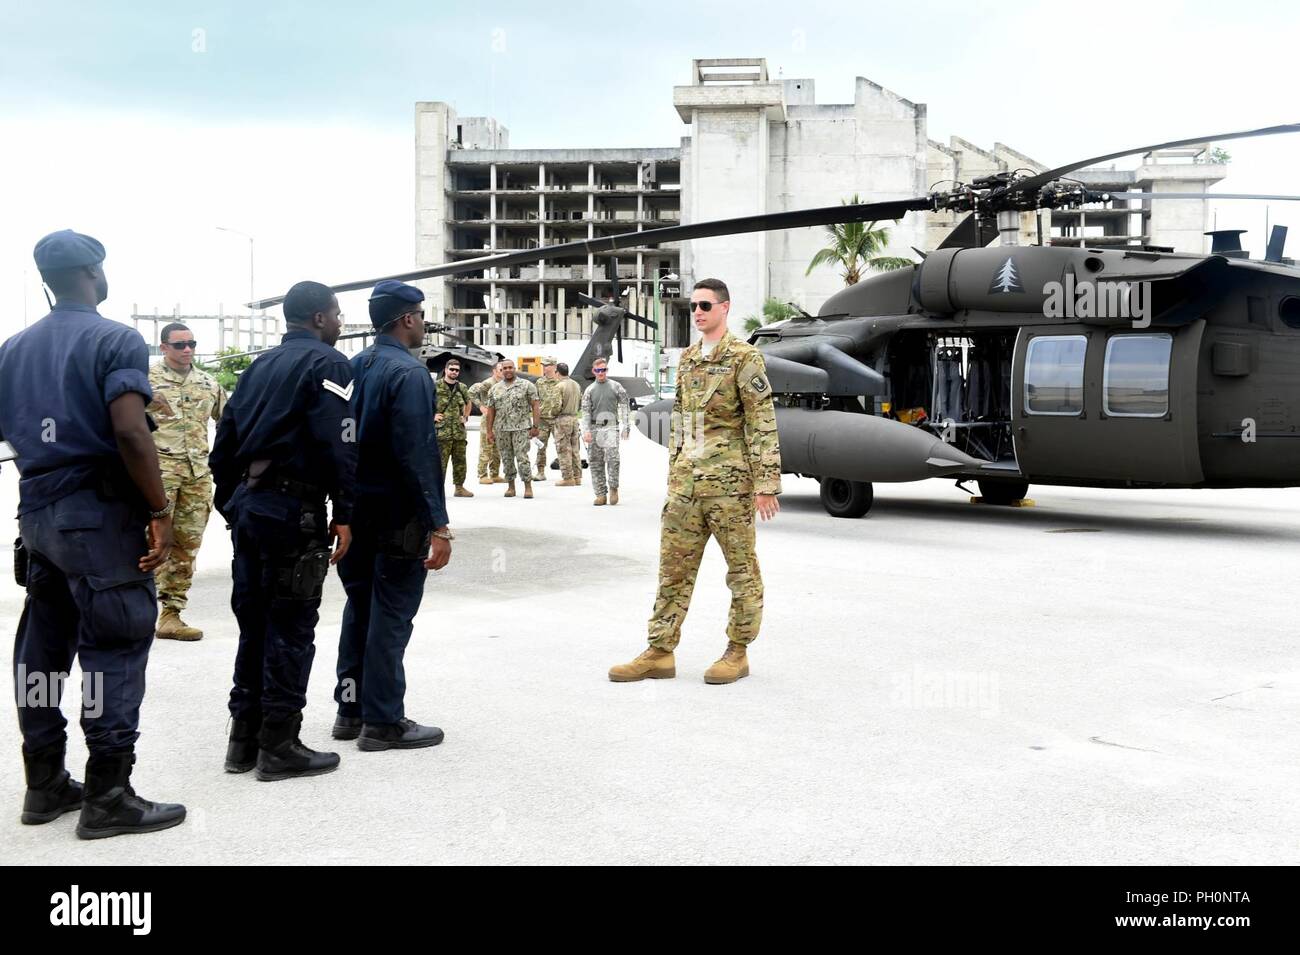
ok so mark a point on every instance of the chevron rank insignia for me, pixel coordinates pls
(335, 388)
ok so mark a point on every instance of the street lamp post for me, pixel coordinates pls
(252, 285)
(671, 277)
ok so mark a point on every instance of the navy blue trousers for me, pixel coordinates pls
(384, 595)
(86, 599)
(277, 632)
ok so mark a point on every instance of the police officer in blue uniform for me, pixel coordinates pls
(284, 443)
(401, 526)
(95, 522)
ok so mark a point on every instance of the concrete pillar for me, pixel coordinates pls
(728, 175)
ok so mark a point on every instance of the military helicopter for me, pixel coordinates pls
(1120, 367)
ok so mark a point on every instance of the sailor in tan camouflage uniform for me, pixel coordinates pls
(724, 465)
(185, 398)
(489, 461)
(512, 416)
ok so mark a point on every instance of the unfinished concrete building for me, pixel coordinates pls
(753, 145)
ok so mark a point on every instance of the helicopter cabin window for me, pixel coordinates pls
(1054, 374)
(1135, 383)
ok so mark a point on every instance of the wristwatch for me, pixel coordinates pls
(165, 512)
(445, 534)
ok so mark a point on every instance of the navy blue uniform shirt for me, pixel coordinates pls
(291, 406)
(399, 457)
(57, 379)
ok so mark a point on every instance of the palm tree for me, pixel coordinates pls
(856, 246)
(774, 310)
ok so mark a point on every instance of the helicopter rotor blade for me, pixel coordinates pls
(1043, 178)
(973, 232)
(1201, 195)
(795, 219)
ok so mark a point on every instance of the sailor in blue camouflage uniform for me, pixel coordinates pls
(95, 523)
(401, 526)
(286, 441)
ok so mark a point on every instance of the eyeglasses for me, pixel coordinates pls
(704, 306)
(600, 371)
(181, 346)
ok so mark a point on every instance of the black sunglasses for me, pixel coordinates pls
(703, 306)
(180, 346)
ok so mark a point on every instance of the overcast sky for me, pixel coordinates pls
(150, 124)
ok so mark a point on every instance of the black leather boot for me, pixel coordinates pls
(241, 751)
(347, 727)
(110, 806)
(406, 734)
(51, 791)
(283, 756)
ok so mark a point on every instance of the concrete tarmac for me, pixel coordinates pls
(1107, 677)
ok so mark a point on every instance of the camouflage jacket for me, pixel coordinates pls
(478, 392)
(549, 396)
(182, 405)
(724, 438)
(512, 404)
(450, 401)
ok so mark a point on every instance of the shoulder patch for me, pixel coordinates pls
(337, 389)
(758, 383)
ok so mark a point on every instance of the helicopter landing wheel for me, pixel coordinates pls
(844, 498)
(1003, 492)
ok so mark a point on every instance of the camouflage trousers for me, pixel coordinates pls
(686, 525)
(544, 434)
(514, 454)
(489, 462)
(453, 449)
(193, 500)
(603, 455)
(567, 440)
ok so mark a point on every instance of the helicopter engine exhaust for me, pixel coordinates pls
(841, 444)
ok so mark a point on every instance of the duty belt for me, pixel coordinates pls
(261, 474)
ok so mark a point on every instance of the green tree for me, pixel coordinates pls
(1220, 155)
(774, 310)
(226, 369)
(855, 247)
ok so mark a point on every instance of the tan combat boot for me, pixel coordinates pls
(733, 665)
(600, 501)
(461, 492)
(528, 489)
(567, 482)
(653, 664)
(485, 479)
(613, 496)
(541, 475)
(510, 489)
(172, 627)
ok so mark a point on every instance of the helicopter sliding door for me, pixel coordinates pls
(1106, 405)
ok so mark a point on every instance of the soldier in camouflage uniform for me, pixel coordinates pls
(724, 466)
(185, 399)
(489, 461)
(549, 398)
(605, 412)
(513, 410)
(451, 411)
(566, 428)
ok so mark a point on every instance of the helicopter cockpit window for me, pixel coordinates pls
(1135, 382)
(1054, 375)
